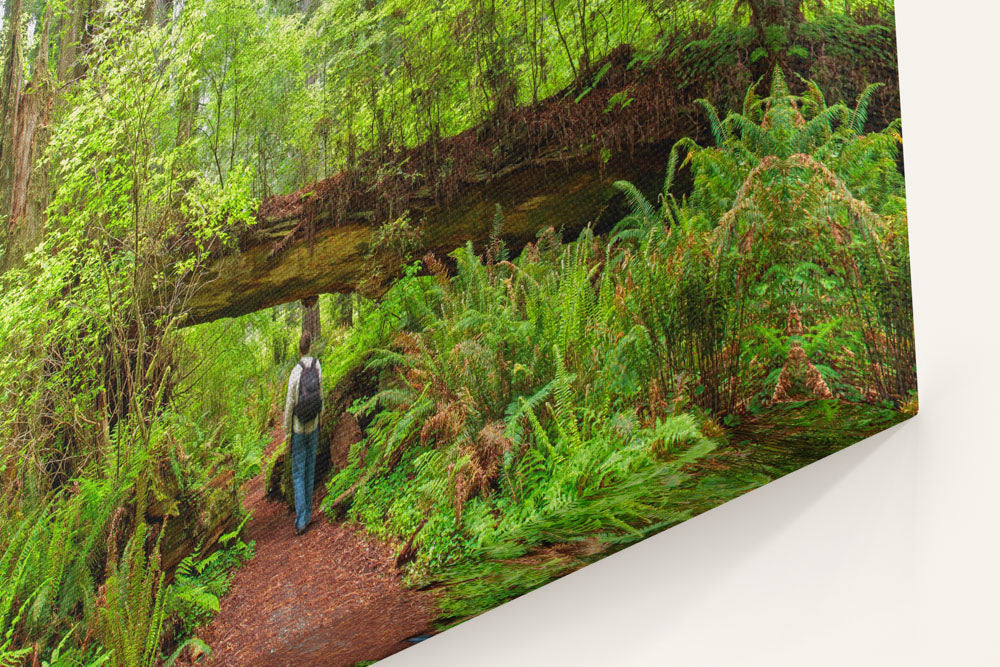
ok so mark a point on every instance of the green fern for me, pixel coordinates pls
(133, 614)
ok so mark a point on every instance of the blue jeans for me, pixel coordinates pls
(304, 474)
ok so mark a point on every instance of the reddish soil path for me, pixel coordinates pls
(330, 597)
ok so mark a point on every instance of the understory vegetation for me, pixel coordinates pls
(538, 412)
(529, 410)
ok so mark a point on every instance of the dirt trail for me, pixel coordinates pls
(329, 597)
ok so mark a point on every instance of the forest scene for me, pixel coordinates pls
(576, 271)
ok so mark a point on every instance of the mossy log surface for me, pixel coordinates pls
(196, 523)
(559, 193)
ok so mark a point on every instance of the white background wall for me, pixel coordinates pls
(887, 553)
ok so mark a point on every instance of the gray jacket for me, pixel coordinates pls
(292, 423)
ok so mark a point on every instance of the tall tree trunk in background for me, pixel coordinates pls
(345, 308)
(150, 10)
(71, 26)
(310, 317)
(11, 83)
(765, 13)
(74, 39)
(491, 46)
(29, 190)
(584, 38)
(26, 113)
(10, 97)
(187, 111)
(785, 15)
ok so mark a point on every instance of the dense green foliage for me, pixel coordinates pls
(792, 209)
(534, 412)
(539, 412)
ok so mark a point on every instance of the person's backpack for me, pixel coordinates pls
(310, 394)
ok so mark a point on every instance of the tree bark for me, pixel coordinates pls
(775, 12)
(10, 98)
(566, 194)
(26, 114)
(11, 91)
(310, 318)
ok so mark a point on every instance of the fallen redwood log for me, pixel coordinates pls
(555, 192)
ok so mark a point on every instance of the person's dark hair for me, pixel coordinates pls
(305, 342)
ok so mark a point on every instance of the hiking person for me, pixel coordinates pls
(303, 408)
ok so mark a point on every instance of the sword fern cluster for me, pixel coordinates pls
(794, 208)
(538, 412)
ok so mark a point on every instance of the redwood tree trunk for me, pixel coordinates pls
(775, 12)
(25, 116)
(10, 98)
(310, 318)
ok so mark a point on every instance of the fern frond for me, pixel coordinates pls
(753, 136)
(672, 164)
(860, 116)
(752, 102)
(640, 205)
(517, 409)
(813, 102)
(779, 86)
(719, 131)
(819, 128)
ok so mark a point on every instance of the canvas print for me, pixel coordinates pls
(327, 325)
